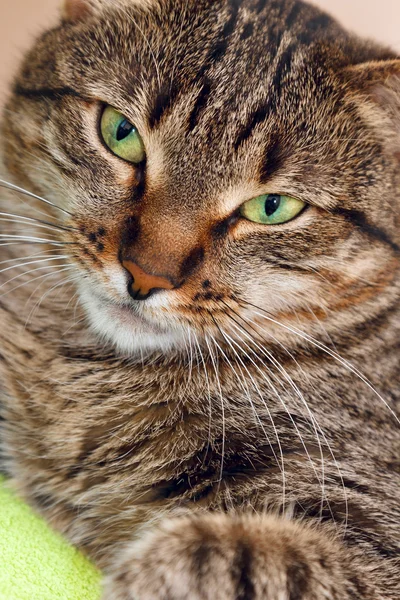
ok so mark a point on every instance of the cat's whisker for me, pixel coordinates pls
(326, 349)
(256, 387)
(313, 419)
(74, 324)
(316, 427)
(186, 342)
(43, 169)
(28, 273)
(77, 301)
(43, 254)
(243, 383)
(52, 274)
(275, 362)
(30, 209)
(353, 276)
(21, 243)
(316, 272)
(208, 393)
(15, 218)
(47, 293)
(10, 186)
(323, 329)
(33, 293)
(268, 355)
(345, 363)
(336, 464)
(33, 262)
(276, 341)
(75, 295)
(25, 238)
(190, 358)
(271, 336)
(215, 368)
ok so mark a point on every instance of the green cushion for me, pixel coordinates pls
(35, 562)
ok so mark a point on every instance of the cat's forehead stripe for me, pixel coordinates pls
(49, 93)
(163, 101)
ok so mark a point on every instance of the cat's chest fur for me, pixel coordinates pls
(174, 438)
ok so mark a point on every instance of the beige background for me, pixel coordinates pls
(20, 20)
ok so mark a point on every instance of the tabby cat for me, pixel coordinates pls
(200, 298)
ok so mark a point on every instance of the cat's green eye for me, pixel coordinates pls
(271, 209)
(121, 136)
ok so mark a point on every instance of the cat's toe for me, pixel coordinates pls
(222, 557)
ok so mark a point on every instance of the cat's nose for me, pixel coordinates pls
(144, 284)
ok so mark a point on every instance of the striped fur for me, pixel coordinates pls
(235, 437)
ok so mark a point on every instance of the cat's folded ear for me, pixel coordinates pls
(376, 89)
(377, 80)
(79, 10)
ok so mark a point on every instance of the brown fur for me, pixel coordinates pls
(247, 447)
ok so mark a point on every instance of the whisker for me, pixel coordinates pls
(227, 339)
(33, 239)
(47, 293)
(74, 324)
(10, 186)
(27, 273)
(329, 447)
(283, 372)
(242, 381)
(269, 355)
(328, 351)
(53, 273)
(208, 393)
(43, 254)
(214, 364)
(71, 300)
(33, 262)
(34, 221)
(190, 357)
(35, 290)
(48, 243)
(316, 428)
(18, 224)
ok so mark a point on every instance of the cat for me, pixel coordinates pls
(200, 298)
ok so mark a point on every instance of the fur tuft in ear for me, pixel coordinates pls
(79, 10)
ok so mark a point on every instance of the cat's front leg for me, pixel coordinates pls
(226, 557)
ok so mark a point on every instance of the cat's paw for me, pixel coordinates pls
(223, 557)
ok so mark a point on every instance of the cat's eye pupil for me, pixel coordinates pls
(121, 137)
(272, 203)
(124, 129)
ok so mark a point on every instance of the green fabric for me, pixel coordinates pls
(35, 562)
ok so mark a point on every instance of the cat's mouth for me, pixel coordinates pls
(130, 316)
(129, 327)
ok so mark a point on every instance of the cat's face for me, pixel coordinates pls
(213, 164)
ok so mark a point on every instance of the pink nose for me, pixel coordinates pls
(143, 283)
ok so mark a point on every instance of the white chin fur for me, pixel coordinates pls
(127, 333)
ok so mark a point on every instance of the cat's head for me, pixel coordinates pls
(220, 165)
